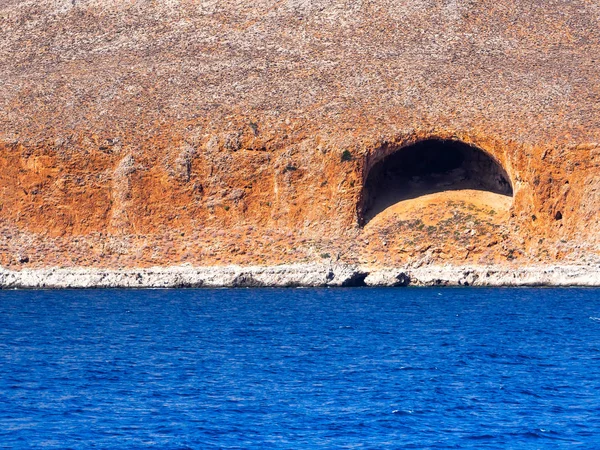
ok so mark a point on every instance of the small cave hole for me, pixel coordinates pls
(558, 215)
(428, 167)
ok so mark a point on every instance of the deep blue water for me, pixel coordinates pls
(300, 368)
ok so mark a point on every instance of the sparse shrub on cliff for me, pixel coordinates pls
(254, 127)
(290, 168)
(346, 156)
(325, 255)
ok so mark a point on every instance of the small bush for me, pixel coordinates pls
(254, 127)
(325, 255)
(346, 156)
(289, 168)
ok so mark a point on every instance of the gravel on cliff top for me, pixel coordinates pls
(528, 70)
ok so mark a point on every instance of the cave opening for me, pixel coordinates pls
(428, 167)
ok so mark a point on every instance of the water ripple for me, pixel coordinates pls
(300, 368)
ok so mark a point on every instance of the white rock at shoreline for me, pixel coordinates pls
(299, 275)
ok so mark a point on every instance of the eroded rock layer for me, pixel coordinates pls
(143, 133)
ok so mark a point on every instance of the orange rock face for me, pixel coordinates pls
(135, 134)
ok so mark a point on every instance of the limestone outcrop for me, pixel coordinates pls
(298, 275)
(154, 134)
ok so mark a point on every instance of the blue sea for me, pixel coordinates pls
(300, 368)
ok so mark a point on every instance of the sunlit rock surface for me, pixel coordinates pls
(141, 134)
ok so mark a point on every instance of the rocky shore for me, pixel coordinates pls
(299, 275)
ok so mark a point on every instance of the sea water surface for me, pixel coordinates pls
(300, 368)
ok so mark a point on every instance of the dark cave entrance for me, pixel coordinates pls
(428, 167)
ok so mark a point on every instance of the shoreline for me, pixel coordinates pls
(300, 275)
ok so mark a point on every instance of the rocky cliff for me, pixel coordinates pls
(375, 133)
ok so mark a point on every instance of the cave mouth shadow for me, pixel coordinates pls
(428, 167)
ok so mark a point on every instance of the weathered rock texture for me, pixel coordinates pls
(143, 133)
(298, 275)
